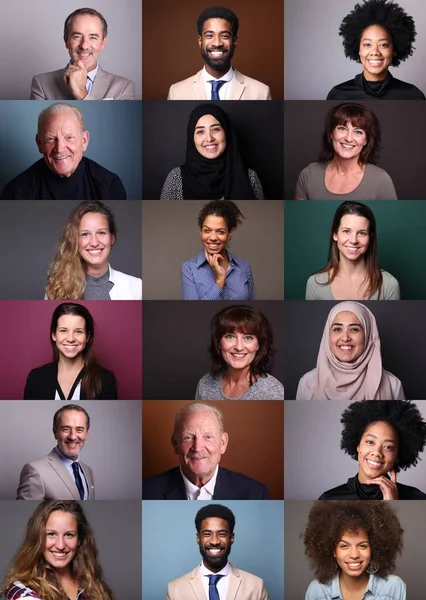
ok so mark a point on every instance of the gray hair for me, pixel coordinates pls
(58, 413)
(192, 408)
(56, 108)
(85, 11)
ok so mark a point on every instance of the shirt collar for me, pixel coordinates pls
(227, 77)
(201, 259)
(65, 459)
(206, 572)
(335, 587)
(92, 74)
(191, 489)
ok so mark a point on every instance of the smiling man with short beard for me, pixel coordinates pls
(218, 80)
(216, 578)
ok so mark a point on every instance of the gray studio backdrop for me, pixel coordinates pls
(117, 528)
(113, 448)
(409, 566)
(314, 59)
(319, 464)
(115, 138)
(33, 229)
(171, 235)
(32, 41)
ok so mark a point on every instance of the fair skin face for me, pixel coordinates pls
(347, 337)
(84, 44)
(375, 52)
(352, 237)
(62, 142)
(215, 541)
(238, 351)
(214, 236)
(61, 541)
(377, 453)
(217, 46)
(94, 243)
(70, 338)
(71, 433)
(353, 555)
(200, 445)
(209, 137)
(348, 141)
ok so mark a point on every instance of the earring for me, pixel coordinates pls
(372, 568)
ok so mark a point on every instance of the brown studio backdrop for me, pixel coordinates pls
(256, 439)
(170, 47)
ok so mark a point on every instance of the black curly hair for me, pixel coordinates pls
(402, 415)
(385, 13)
(226, 209)
(218, 12)
(215, 511)
(329, 520)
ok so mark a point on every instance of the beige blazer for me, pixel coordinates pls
(242, 586)
(51, 86)
(48, 479)
(242, 88)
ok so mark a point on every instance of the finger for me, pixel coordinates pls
(393, 476)
(81, 65)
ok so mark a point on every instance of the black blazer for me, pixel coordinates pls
(229, 486)
(41, 384)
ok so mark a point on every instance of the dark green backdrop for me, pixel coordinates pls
(401, 231)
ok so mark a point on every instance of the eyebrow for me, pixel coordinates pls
(350, 324)
(386, 39)
(375, 436)
(217, 531)
(204, 126)
(221, 31)
(80, 33)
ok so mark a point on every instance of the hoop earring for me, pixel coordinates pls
(373, 567)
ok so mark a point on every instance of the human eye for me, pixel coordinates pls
(103, 232)
(336, 329)
(346, 230)
(249, 338)
(76, 36)
(359, 132)
(390, 448)
(50, 534)
(187, 438)
(229, 336)
(70, 534)
(369, 442)
(341, 127)
(217, 128)
(366, 44)
(355, 329)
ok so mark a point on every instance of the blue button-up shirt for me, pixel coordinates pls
(199, 280)
(391, 588)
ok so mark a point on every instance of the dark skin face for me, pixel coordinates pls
(217, 46)
(215, 541)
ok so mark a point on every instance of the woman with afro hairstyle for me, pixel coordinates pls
(215, 274)
(378, 34)
(352, 547)
(384, 437)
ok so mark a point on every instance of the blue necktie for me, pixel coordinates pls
(213, 593)
(78, 480)
(216, 85)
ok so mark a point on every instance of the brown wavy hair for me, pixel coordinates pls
(247, 320)
(66, 278)
(374, 274)
(328, 520)
(91, 382)
(31, 568)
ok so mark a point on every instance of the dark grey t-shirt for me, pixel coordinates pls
(98, 288)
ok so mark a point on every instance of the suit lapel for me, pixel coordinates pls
(222, 489)
(198, 87)
(237, 86)
(235, 581)
(61, 470)
(89, 481)
(100, 85)
(196, 584)
(176, 488)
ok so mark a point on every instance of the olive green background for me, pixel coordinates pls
(401, 233)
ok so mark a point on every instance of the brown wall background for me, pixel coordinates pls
(170, 49)
(256, 439)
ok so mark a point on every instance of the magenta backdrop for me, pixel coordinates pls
(25, 342)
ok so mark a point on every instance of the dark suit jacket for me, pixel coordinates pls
(229, 486)
(41, 384)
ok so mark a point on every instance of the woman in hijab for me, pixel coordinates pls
(349, 365)
(378, 34)
(213, 168)
(384, 437)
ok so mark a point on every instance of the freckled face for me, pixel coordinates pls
(347, 337)
(375, 52)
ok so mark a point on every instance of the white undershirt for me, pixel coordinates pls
(193, 492)
(224, 90)
(221, 585)
(75, 396)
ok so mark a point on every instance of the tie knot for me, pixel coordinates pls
(213, 579)
(75, 467)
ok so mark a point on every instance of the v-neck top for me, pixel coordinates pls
(75, 391)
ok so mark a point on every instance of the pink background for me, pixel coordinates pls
(25, 327)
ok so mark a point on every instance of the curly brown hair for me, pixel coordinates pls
(328, 520)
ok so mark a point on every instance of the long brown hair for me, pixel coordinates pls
(374, 274)
(91, 382)
(31, 568)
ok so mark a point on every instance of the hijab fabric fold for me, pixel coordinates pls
(363, 379)
(214, 178)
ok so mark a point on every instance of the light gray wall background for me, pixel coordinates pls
(170, 550)
(319, 464)
(31, 41)
(314, 59)
(115, 139)
(113, 448)
(37, 226)
(171, 235)
(117, 528)
(409, 566)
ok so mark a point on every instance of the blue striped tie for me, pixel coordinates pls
(216, 85)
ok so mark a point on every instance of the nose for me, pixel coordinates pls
(72, 435)
(353, 238)
(70, 336)
(84, 43)
(94, 241)
(346, 335)
(197, 444)
(354, 553)
(59, 144)
(60, 543)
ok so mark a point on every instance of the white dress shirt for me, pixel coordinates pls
(193, 492)
(221, 585)
(224, 90)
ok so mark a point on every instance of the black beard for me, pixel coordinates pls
(217, 563)
(219, 64)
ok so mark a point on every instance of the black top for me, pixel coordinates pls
(42, 384)
(89, 181)
(353, 490)
(389, 89)
(229, 486)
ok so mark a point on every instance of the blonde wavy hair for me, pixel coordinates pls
(31, 568)
(66, 278)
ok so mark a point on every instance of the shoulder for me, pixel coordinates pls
(208, 380)
(44, 371)
(409, 89)
(261, 89)
(316, 591)
(306, 387)
(18, 590)
(253, 580)
(317, 288)
(116, 78)
(154, 488)
(392, 584)
(119, 278)
(375, 172)
(50, 75)
(255, 184)
(314, 169)
(181, 90)
(172, 186)
(390, 286)
(395, 383)
(174, 174)
(174, 585)
(269, 387)
(334, 493)
(247, 487)
(98, 170)
(22, 185)
(336, 92)
(408, 492)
